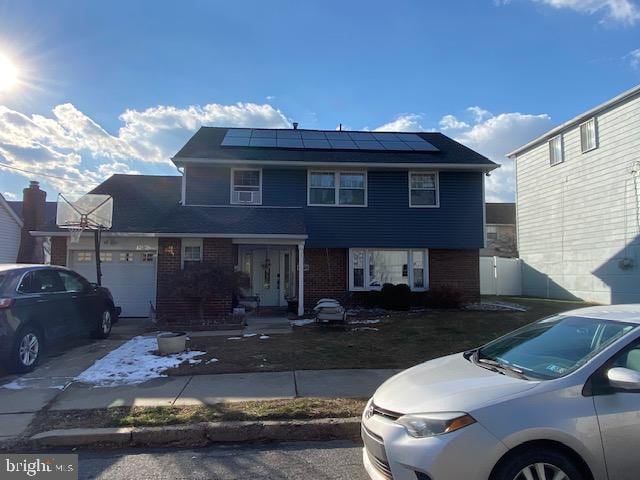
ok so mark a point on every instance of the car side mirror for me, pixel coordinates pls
(624, 378)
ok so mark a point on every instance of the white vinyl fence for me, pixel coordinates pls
(500, 276)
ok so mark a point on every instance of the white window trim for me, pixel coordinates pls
(418, 172)
(595, 134)
(410, 251)
(336, 187)
(561, 150)
(189, 242)
(232, 185)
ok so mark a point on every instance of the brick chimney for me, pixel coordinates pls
(33, 211)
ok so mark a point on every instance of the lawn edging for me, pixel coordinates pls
(200, 434)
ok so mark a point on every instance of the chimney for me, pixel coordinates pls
(295, 125)
(33, 205)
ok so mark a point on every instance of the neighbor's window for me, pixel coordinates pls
(126, 256)
(106, 256)
(588, 136)
(83, 256)
(423, 189)
(492, 232)
(246, 186)
(191, 251)
(556, 155)
(147, 257)
(370, 269)
(337, 188)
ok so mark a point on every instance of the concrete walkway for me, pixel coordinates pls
(221, 388)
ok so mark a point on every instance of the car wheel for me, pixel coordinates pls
(538, 464)
(27, 350)
(105, 324)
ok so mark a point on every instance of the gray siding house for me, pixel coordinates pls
(578, 206)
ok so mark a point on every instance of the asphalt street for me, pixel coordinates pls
(313, 460)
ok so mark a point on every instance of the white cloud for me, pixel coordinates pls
(9, 196)
(634, 58)
(72, 146)
(626, 12)
(407, 122)
(450, 122)
(479, 114)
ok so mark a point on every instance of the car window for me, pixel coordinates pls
(72, 283)
(41, 281)
(555, 346)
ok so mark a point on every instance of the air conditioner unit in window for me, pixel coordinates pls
(246, 197)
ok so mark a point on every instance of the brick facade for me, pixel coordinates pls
(459, 269)
(176, 311)
(59, 251)
(326, 275)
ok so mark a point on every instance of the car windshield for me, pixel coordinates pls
(552, 347)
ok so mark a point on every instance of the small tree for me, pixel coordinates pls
(204, 282)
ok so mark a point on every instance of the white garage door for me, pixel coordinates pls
(130, 275)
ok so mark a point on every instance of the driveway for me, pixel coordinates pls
(22, 396)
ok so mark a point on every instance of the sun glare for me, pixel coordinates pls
(8, 73)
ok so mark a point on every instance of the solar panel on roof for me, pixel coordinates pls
(326, 140)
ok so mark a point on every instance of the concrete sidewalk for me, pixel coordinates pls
(214, 389)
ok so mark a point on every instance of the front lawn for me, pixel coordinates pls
(398, 340)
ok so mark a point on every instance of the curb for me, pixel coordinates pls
(201, 434)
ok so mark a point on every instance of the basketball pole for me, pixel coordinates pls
(97, 237)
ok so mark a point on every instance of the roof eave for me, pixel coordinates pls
(576, 120)
(483, 167)
(275, 236)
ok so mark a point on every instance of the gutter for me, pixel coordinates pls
(37, 233)
(578, 119)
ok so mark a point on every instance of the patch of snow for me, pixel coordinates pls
(133, 362)
(246, 335)
(365, 328)
(264, 337)
(21, 383)
(234, 338)
(364, 322)
(302, 322)
(211, 360)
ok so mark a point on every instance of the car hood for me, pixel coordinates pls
(446, 384)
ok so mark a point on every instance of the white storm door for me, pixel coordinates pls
(266, 276)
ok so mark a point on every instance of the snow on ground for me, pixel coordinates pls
(363, 322)
(365, 328)
(133, 362)
(21, 383)
(234, 338)
(264, 337)
(246, 335)
(302, 322)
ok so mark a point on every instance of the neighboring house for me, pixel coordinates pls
(578, 199)
(306, 214)
(501, 230)
(10, 228)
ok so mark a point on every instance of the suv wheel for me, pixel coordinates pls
(27, 350)
(538, 464)
(105, 324)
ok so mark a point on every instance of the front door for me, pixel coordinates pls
(266, 276)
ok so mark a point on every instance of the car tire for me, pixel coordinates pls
(27, 350)
(105, 322)
(535, 460)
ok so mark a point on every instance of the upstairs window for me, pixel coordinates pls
(588, 135)
(556, 155)
(492, 232)
(246, 186)
(423, 189)
(347, 189)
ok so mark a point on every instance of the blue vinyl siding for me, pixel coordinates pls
(387, 221)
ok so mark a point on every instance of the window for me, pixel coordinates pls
(147, 257)
(41, 281)
(370, 269)
(556, 155)
(588, 135)
(492, 232)
(423, 189)
(72, 283)
(191, 251)
(126, 256)
(106, 256)
(246, 186)
(337, 188)
(83, 256)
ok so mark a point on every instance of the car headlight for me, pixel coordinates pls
(420, 425)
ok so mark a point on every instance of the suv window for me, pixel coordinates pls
(72, 283)
(41, 281)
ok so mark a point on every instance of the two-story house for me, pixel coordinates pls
(306, 214)
(578, 206)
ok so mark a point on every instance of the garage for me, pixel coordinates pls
(129, 273)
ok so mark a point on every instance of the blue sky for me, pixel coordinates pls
(119, 86)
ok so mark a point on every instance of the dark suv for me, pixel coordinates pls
(41, 305)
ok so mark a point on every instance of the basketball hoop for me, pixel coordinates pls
(75, 233)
